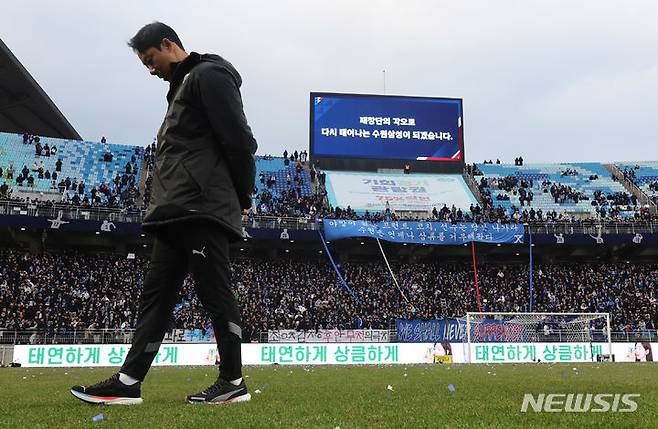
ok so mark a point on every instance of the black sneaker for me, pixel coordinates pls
(110, 391)
(222, 392)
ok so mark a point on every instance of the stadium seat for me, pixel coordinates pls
(646, 173)
(277, 167)
(553, 173)
(82, 160)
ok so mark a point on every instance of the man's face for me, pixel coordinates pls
(158, 61)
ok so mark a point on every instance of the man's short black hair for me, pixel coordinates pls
(151, 35)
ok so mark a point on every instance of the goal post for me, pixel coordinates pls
(538, 328)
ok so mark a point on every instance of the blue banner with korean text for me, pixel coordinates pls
(431, 331)
(425, 232)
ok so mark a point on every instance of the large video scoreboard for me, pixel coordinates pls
(358, 131)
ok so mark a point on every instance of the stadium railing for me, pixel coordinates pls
(593, 227)
(83, 336)
(52, 210)
(274, 222)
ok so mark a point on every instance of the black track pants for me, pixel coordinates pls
(201, 248)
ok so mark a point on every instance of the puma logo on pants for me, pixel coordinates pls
(200, 252)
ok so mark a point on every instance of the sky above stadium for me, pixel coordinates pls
(552, 81)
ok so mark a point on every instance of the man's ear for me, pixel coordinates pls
(166, 44)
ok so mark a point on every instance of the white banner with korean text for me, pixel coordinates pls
(403, 192)
(179, 354)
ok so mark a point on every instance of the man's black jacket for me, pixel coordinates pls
(205, 165)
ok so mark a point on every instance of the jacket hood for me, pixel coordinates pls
(216, 59)
(179, 70)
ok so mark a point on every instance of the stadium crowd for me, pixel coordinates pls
(121, 193)
(607, 207)
(73, 290)
(477, 214)
(630, 175)
(149, 164)
(291, 203)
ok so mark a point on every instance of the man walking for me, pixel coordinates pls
(203, 178)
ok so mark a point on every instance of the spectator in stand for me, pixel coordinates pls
(473, 170)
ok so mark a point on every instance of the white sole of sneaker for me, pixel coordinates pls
(241, 398)
(114, 400)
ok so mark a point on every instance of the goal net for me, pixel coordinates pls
(582, 329)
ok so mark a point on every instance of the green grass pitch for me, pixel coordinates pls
(331, 396)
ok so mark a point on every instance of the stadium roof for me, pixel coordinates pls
(25, 106)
